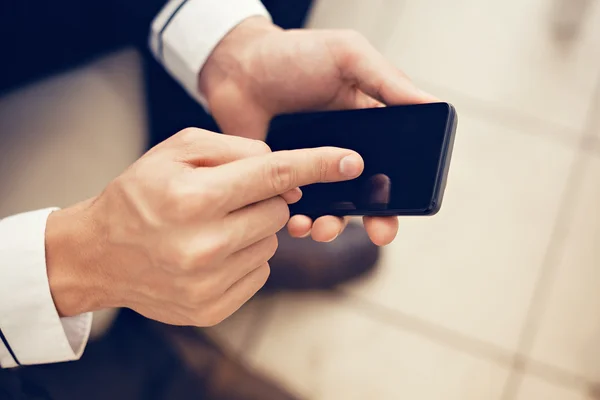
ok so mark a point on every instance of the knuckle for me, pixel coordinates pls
(188, 136)
(190, 257)
(198, 293)
(271, 246)
(280, 211)
(319, 164)
(350, 46)
(212, 250)
(280, 175)
(262, 274)
(321, 168)
(217, 285)
(261, 253)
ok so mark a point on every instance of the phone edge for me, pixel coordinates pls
(444, 169)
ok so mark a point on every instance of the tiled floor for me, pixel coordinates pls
(335, 350)
(495, 298)
(568, 333)
(534, 388)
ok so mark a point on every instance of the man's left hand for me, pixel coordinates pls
(259, 70)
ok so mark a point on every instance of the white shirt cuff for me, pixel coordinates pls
(185, 32)
(29, 322)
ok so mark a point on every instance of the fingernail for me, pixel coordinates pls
(351, 166)
(307, 234)
(331, 240)
(297, 192)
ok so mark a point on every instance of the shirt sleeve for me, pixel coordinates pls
(185, 32)
(31, 332)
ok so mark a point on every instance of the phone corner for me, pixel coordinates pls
(433, 209)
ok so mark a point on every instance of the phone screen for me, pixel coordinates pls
(404, 150)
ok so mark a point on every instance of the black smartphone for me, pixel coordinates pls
(406, 150)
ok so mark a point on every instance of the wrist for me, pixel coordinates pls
(226, 62)
(72, 260)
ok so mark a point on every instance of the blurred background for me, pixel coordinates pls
(496, 297)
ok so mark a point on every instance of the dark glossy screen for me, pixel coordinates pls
(402, 147)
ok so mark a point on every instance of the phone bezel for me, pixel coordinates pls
(439, 186)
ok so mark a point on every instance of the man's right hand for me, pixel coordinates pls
(185, 234)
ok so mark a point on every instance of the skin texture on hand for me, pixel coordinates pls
(185, 234)
(259, 71)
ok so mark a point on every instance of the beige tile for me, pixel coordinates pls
(63, 139)
(501, 52)
(569, 331)
(472, 267)
(325, 350)
(366, 17)
(533, 388)
(595, 116)
(593, 128)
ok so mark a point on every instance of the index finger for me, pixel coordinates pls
(259, 178)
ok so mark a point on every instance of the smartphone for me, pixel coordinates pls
(406, 151)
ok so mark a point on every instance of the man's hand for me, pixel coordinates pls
(259, 71)
(185, 234)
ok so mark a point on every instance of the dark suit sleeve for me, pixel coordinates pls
(40, 37)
